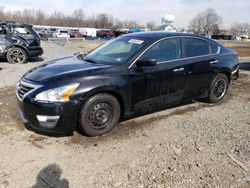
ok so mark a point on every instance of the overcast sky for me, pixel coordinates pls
(142, 10)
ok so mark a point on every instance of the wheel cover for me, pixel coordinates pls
(100, 115)
(17, 56)
(220, 88)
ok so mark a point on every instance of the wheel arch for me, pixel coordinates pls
(16, 46)
(112, 92)
(118, 97)
(228, 74)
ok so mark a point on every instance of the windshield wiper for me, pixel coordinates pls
(90, 60)
(79, 55)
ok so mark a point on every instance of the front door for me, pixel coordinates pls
(159, 84)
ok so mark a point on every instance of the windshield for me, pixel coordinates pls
(116, 51)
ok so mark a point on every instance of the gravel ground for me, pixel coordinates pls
(191, 145)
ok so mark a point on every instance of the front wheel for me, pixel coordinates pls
(218, 88)
(99, 115)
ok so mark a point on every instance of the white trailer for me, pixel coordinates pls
(89, 32)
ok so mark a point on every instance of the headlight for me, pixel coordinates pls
(59, 94)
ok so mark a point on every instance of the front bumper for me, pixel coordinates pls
(58, 118)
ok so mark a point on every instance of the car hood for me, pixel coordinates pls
(64, 68)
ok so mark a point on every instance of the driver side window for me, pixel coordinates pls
(162, 51)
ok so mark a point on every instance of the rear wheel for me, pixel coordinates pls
(16, 55)
(99, 115)
(218, 88)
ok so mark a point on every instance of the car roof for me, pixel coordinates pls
(14, 23)
(160, 34)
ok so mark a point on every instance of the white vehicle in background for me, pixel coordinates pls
(89, 32)
(60, 33)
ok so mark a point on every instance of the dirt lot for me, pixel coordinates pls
(191, 145)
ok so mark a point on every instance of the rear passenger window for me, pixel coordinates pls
(195, 47)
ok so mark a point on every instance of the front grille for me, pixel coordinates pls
(23, 88)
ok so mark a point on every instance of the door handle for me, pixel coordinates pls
(178, 70)
(214, 62)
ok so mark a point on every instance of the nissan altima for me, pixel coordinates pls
(93, 92)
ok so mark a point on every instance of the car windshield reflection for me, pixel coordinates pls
(116, 51)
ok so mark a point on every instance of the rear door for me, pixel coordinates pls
(201, 64)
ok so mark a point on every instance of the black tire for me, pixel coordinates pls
(99, 115)
(218, 88)
(16, 55)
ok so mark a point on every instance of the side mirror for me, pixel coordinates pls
(146, 63)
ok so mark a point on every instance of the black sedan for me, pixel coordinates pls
(93, 92)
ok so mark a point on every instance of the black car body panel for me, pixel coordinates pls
(135, 87)
(10, 38)
(69, 67)
(167, 84)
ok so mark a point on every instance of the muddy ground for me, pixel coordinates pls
(191, 145)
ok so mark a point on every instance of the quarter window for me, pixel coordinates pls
(213, 48)
(165, 50)
(195, 47)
